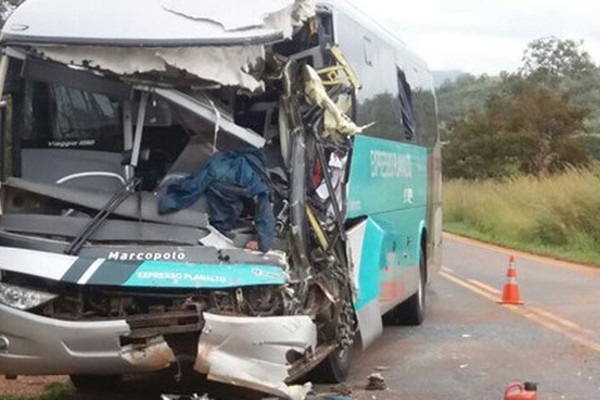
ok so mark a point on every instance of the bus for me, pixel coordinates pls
(246, 190)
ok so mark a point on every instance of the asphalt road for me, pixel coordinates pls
(470, 347)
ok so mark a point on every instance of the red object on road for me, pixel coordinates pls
(520, 391)
(510, 294)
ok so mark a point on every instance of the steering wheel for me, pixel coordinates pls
(88, 174)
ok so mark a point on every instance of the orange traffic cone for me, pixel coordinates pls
(510, 294)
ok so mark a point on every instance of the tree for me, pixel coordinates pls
(525, 129)
(475, 149)
(550, 57)
(565, 67)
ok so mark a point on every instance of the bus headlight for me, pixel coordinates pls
(23, 298)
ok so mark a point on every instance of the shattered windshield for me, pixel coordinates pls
(56, 116)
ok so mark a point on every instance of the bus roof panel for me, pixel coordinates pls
(154, 23)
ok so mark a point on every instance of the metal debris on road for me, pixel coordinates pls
(338, 392)
(376, 382)
(184, 397)
(343, 390)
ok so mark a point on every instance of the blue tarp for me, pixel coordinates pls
(227, 179)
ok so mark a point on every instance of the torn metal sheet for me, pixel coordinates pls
(336, 121)
(282, 15)
(228, 66)
(184, 397)
(154, 356)
(361, 249)
(337, 168)
(147, 23)
(255, 352)
(209, 51)
(291, 17)
(216, 239)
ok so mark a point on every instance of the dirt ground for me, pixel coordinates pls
(28, 385)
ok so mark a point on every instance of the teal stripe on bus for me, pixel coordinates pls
(368, 275)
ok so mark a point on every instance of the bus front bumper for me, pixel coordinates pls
(35, 345)
(251, 352)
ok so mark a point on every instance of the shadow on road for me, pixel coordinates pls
(151, 387)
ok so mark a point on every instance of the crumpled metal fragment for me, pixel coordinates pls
(336, 121)
(254, 352)
(281, 15)
(229, 66)
(156, 355)
(193, 396)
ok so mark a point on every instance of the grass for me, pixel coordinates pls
(556, 216)
(54, 391)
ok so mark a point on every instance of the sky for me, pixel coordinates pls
(485, 36)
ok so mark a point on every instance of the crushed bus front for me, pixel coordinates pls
(186, 186)
(100, 315)
(96, 278)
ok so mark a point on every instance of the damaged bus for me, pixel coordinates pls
(246, 188)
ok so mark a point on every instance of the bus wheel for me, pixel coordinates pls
(412, 310)
(335, 368)
(95, 383)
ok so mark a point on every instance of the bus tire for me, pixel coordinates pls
(95, 383)
(412, 310)
(334, 368)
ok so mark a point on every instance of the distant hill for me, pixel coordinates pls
(466, 92)
(440, 77)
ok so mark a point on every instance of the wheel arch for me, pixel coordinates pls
(423, 237)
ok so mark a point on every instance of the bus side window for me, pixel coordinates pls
(406, 107)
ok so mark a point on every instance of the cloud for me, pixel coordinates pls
(485, 36)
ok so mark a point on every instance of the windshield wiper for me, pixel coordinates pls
(96, 222)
